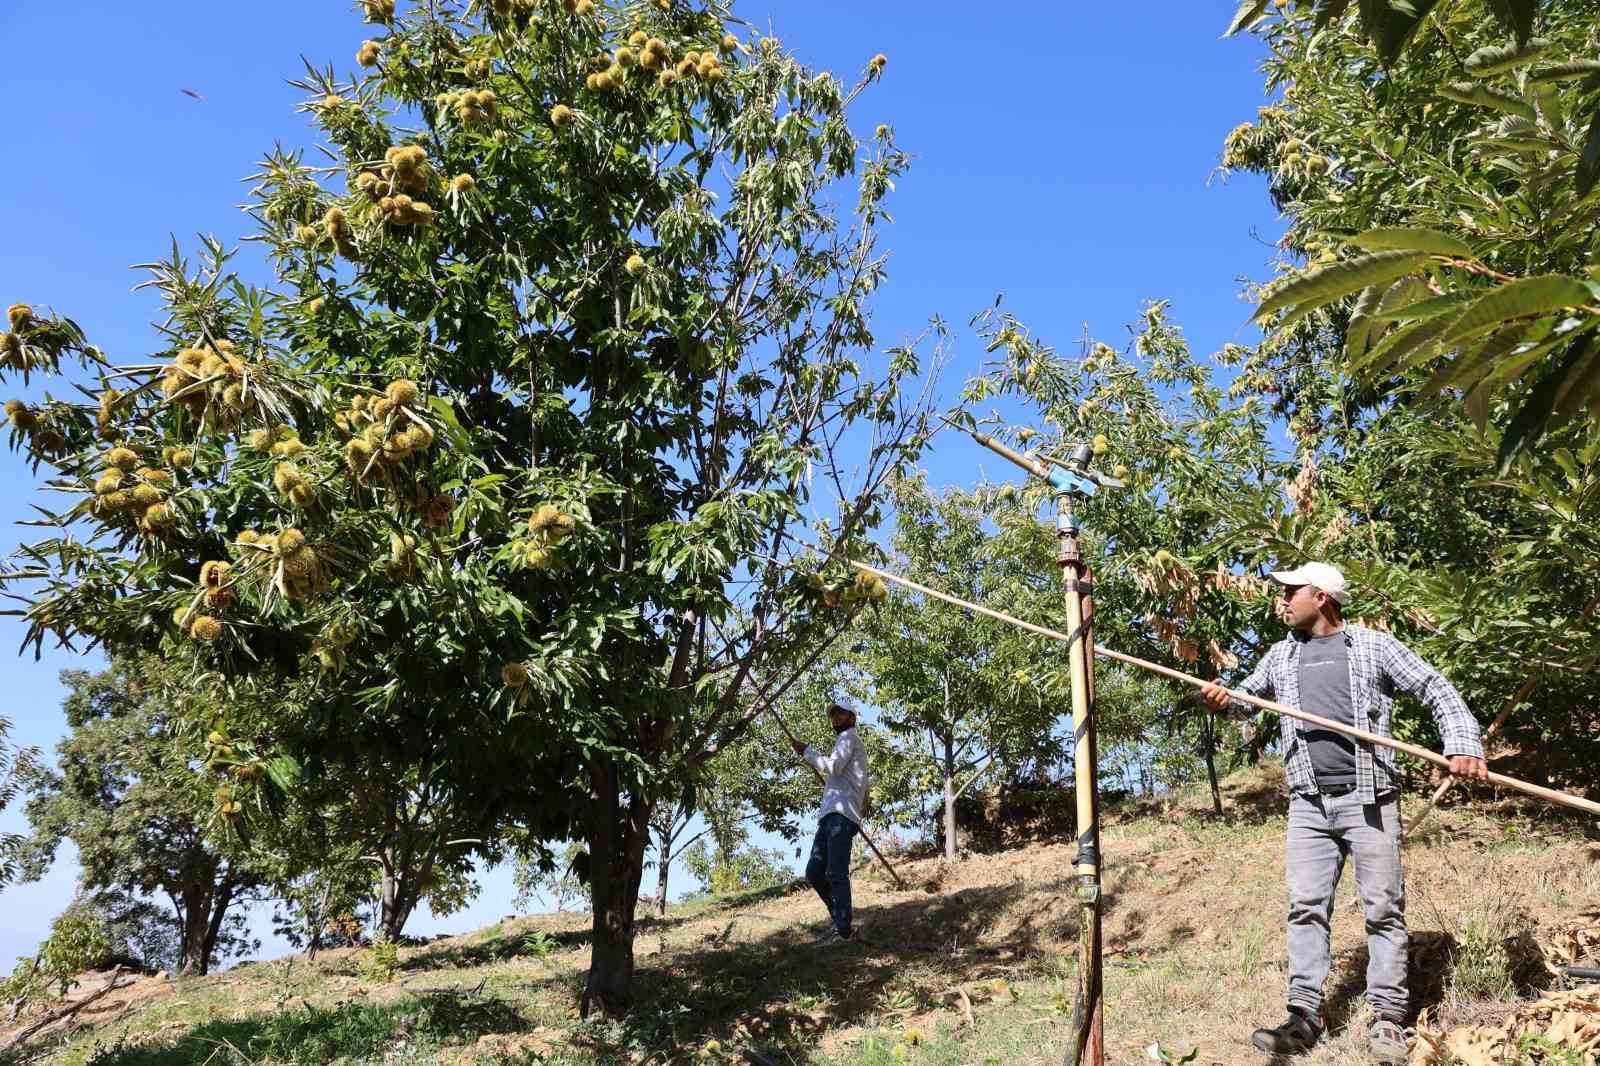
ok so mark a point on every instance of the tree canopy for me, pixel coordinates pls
(477, 494)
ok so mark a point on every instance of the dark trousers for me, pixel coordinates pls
(829, 868)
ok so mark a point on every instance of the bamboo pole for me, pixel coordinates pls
(898, 880)
(1550, 795)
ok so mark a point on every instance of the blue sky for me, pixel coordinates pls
(1064, 155)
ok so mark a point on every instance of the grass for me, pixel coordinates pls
(1193, 935)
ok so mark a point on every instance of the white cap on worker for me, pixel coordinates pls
(845, 703)
(1318, 575)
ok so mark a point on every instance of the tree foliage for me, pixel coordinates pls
(17, 766)
(1444, 200)
(144, 823)
(1170, 584)
(79, 940)
(1421, 401)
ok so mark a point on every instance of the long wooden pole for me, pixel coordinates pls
(898, 880)
(1550, 795)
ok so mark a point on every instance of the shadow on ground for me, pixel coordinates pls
(750, 980)
(507, 943)
(777, 991)
(310, 1034)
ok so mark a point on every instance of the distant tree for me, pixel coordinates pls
(738, 868)
(131, 797)
(554, 877)
(17, 766)
(141, 930)
(963, 696)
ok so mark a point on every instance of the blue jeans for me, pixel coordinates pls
(1324, 831)
(829, 868)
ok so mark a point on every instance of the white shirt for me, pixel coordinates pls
(844, 774)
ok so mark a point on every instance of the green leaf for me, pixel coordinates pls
(1516, 15)
(1589, 161)
(1416, 312)
(446, 413)
(1248, 13)
(1360, 327)
(1408, 290)
(1498, 58)
(1550, 106)
(284, 771)
(1325, 284)
(1468, 368)
(1529, 423)
(1329, 10)
(1519, 299)
(1476, 402)
(1390, 23)
(1578, 68)
(1471, 92)
(1419, 341)
(1411, 239)
(1580, 378)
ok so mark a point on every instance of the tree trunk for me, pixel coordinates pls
(617, 836)
(221, 900)
(949, 800)
(195, 921)
(398, 895)
(318, 923)
(1209, 740)
(663, 868)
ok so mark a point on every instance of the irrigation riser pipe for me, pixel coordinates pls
(1550, 795)
(1088, 1013)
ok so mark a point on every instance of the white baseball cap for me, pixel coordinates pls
(1318, 575)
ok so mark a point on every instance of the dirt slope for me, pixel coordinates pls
(968, 965)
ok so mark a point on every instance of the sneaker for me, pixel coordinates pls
(1299, 1032)
(831, 938)
(1387, 1042)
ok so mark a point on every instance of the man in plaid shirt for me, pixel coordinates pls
(1343, 794)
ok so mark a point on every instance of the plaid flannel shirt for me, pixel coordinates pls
(1379, 664)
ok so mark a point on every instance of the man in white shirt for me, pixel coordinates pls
(844, 796)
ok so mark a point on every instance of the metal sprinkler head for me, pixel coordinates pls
(1078, 464)
(1071, 475)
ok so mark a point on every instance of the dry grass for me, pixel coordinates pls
(1193, 924)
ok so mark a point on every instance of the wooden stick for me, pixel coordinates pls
(1548, 794)
(776, 717)
(67, 1011)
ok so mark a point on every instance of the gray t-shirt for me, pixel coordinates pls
(1325, 691)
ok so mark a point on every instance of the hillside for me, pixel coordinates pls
(978, 961)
